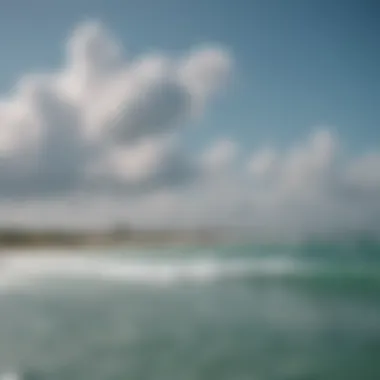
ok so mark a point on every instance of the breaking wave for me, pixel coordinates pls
(20, 269)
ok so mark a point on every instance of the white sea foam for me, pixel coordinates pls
(21, 269)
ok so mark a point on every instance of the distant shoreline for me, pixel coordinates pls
(87, 246)
(11, 240)
(34, 240)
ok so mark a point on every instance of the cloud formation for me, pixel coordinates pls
(102, 135)
(104, 120)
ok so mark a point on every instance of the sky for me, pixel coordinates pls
(171, 112)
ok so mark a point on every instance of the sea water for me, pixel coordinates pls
(236, 313)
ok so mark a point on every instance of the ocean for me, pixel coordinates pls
(235, 312)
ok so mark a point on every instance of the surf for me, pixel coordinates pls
(162, 268)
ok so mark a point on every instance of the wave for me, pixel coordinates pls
(22, 269)
(17, 270)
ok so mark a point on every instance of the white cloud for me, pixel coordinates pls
(102, 108)
(262, 163)
(365, 172)
(220, 155)
(309, 187)
(102, 138)
(203, 72)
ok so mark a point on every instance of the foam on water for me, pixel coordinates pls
(165, 268)
(23, 269)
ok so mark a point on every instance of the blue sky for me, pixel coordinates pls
(298, 63)
(242, 118)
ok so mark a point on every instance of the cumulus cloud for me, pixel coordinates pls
(101, 108)
(101, 137)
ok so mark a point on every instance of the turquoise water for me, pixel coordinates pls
(228, 313)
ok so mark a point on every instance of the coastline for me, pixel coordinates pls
(57, 241)
(91, 247)
(16, 240)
